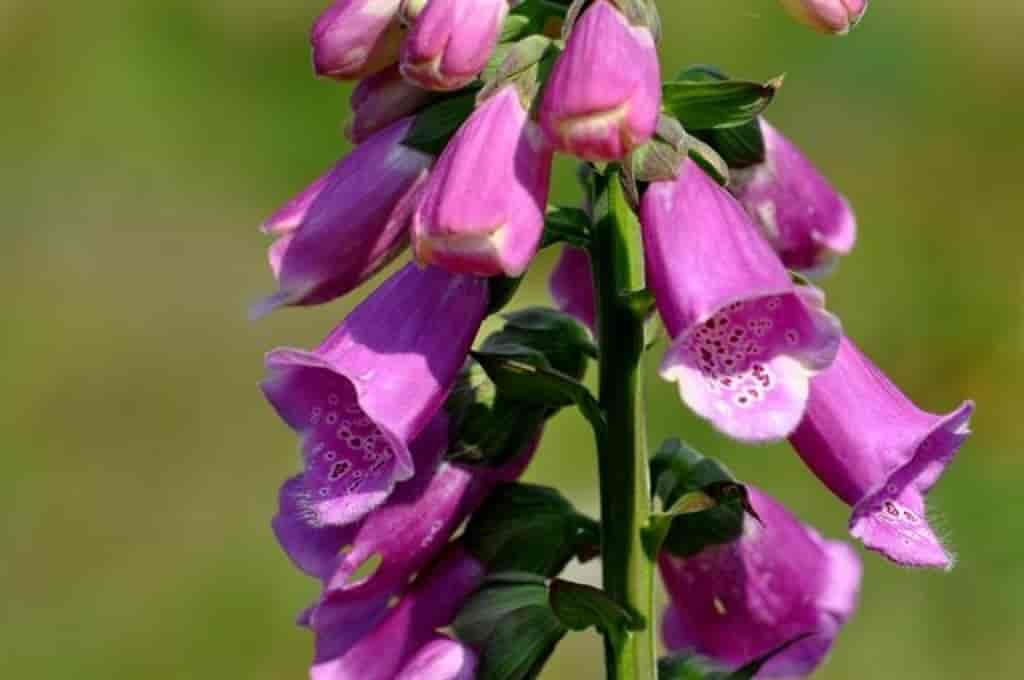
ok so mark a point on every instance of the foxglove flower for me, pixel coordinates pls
(290, 216)
(349, 224)
(407, 628)
(604, 94)
(735, 602)
(355, 38)
(441, 659)
(807, 222)
(827, 16)
(572, 286)
(745, 339)
(380, 100)
(482, 209)
(880, 454)
(450, 42)
(415, 525)
(373, 385)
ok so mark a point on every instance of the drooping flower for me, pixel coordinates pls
(827, 16)
(804, 218)
(355, 38)
(745, 339)
(735, 602)
(572, 286)
(604, 94)
(880, 454)
(349, 224)
(380, 100)
(441, 659)
(406, 629)
(373, 385)
(407, 533)
(481, 210)
(450, 42)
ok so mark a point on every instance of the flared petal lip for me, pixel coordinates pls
(957, 424)
(285, 359)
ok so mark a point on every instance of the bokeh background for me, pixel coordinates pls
(142, 141)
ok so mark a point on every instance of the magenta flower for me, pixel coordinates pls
(441, 659)
(290, 216)
(880, 454)
(349, 224)
(482, 208)
(401, 635)
(604, 94)
(572, 286)
(413, 527)
(354, 38)
(373, 385)
(380, 100)
(735, 602)
(450, 42)
(827, 16)
(807, 222)
(745, 339)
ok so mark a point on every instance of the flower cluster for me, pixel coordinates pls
(406, 432)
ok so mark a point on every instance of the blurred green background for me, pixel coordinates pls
(141, 142)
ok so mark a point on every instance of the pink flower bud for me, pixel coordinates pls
(354, 38)
(604, 94)
(380, 100)
(482, 208)
(827, 16)
(451, 41)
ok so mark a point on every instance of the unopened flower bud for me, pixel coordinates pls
(450, 41)
(604, 94)
(482, 208)
(827, 16)
(380, 100)
(354, 38)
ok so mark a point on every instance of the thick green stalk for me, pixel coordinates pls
(617, 257)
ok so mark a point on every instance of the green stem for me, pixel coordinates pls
(617, 257)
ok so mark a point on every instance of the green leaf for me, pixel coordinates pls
(705, 504)
(509, 619)
(435, 125)
(700, 105)
(529, 528)
(501, 594)
(740, 146)
(520, 645)
(525, 376)
(563, 224)
(579, 606)
(685, 667)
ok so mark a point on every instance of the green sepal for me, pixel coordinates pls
(530, 528)
(579, 606)
(704, 504)
(706, 157)
(510, 621)
(563, 224)
(435, 125)
(702, 105)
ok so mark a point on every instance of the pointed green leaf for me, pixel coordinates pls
(435, 125)
(701, 105)
(580, 606)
